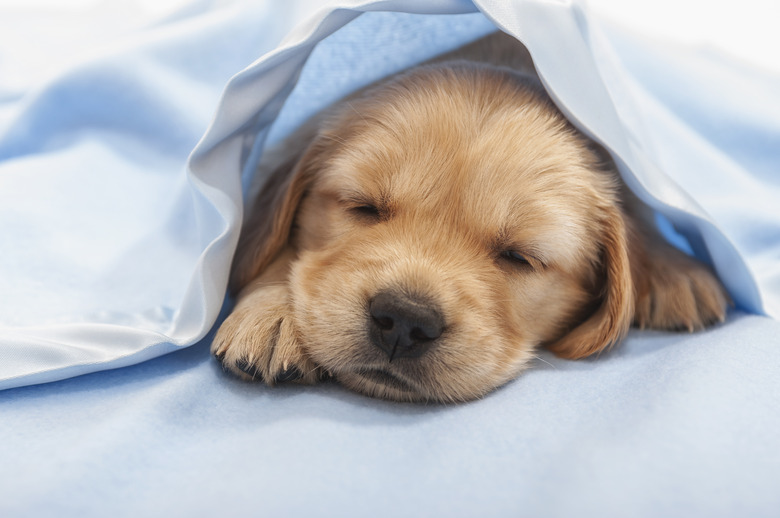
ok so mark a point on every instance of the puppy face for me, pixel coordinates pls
(446, 224)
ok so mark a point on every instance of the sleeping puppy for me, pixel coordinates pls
(421, 239)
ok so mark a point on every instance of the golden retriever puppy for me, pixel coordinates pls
(423, 238)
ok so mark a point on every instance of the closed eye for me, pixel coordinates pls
(366, 210)
(366, 213)
(515, 257)
(520, 260)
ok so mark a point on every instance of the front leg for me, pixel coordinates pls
(258, 340)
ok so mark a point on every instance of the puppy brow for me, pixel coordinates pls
(355, 197)
(373, 195)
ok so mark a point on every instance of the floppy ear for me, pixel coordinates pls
(267, 228)
(610, 321)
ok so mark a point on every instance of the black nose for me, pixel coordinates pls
(403, 326)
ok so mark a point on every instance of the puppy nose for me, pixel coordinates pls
(403, 326)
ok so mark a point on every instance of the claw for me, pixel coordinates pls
(288, 374)
(250, 369)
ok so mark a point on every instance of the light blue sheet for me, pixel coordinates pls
(115, 249)
(667, 425)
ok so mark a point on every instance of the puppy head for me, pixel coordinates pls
(447, 223)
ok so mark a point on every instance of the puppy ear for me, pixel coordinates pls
(611, 319)
(267, 228)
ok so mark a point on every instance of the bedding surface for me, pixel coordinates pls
(666, 425)
(122, 182)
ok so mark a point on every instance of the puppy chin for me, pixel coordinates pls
(420, 382)
(383, 384)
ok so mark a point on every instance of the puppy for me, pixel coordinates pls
(421, 239)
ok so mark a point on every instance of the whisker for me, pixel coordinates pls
(334, 138)
(544, 361)
(355, 110)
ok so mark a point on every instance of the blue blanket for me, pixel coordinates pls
(121, 190)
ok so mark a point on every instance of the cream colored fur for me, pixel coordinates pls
(422, 184)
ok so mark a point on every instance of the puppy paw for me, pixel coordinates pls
(258, 341)
(680, 293)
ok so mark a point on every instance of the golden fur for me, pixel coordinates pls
(459, 193)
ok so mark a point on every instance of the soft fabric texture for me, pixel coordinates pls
(119, 247)
(666, 425)
(121, 187)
